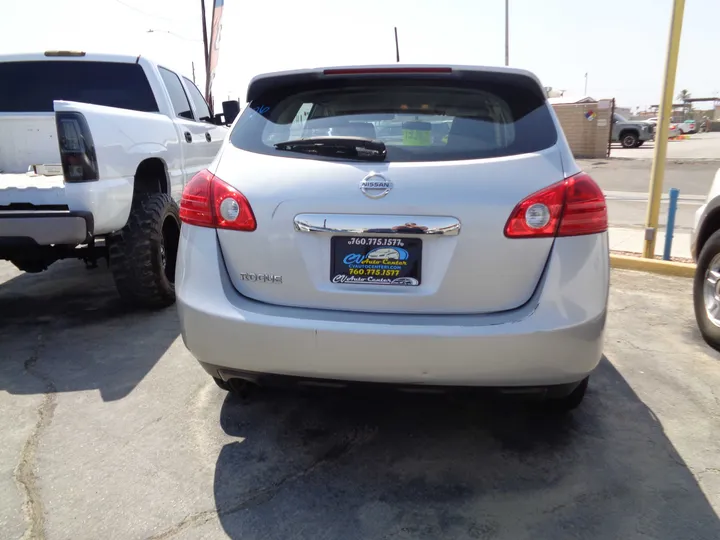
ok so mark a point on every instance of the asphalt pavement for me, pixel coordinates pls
(691, 177)
(626, 183)
(697, 146)
(111, 430)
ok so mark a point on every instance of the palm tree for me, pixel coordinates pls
(684, 95)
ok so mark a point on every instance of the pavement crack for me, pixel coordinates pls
(707, 470)
(263, 495)
(714, 395)
(624, 343)
(25, 476)
(624, 308)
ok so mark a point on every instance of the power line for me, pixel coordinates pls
(156, 31)
(138, 10)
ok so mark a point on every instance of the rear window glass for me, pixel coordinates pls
(417, 121)
(32, 86)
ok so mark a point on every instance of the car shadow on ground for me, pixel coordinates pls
(359, 466)
(65, 330)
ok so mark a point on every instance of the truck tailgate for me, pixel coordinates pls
(27, 139)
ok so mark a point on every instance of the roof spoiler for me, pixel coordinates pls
(282, 81)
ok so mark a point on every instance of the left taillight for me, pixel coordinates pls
(207, 201)
(77, 150)
(572, 207)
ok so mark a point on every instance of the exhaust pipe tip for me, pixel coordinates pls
(241, 384)
(243, 388)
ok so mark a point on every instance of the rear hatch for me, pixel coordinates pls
(421, 230)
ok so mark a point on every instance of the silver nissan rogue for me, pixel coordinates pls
(410, 225)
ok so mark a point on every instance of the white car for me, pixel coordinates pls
(95, 150)
(502, 273)
(674, 129)
(705, 250)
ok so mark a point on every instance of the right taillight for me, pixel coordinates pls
(572, 207)
(77, 150)
(207, 201)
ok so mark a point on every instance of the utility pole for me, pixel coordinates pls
(206, 49)
(585, 94)
(507, 32)
(657, 173)
(397, 47)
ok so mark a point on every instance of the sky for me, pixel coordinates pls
(620, 45)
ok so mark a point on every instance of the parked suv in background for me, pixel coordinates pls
(705, 249)
(494, 267)
(688, 126)
(673, 128)
(631, 134)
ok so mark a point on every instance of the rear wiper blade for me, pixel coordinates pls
(347, 147)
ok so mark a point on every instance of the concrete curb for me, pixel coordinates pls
(655, 266)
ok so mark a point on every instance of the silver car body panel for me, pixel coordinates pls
(555, 338)
(459, 272)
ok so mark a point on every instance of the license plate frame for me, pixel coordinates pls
(400, 265)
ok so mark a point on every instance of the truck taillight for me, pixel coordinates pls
(572, 207)
(207, 201)
(77, 150)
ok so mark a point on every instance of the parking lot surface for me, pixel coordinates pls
(698, 146)
(111, 430)
(626, 183)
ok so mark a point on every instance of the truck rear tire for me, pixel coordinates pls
(143, 254)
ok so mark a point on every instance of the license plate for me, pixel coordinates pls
(376, 261)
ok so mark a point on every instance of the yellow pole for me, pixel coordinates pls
(661, 135)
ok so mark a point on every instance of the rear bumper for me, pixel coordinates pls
(556, 338)
(44, 228)
(108, 200)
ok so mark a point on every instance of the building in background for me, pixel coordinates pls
(566, 100)
(586, 123)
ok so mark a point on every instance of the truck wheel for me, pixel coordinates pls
(628, 140)
(706, 291)
(639, 144)
(144, 252)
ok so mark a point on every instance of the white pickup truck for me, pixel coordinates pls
(94, 153)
